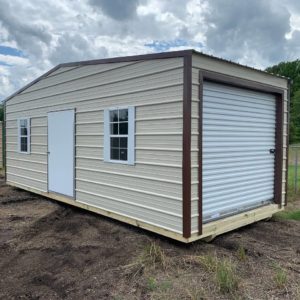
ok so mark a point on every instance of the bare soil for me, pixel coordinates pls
(50, 250)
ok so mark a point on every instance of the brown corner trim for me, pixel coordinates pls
(205, 75)
(200, 153)
(278, 149)
(186, 145)
(287, 140)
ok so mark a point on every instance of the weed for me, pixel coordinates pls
(195, 294)
(153, 255)
(224, 270)
(165, 285)
(241, 253)
(209, 262)
(280, 277)
(226, 277)
(152, 284)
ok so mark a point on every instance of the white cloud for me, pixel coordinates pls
(48, 32)
(13, 60)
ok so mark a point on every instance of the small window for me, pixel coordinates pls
(24, 135)
(119, 135)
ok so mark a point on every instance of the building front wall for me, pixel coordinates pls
(210, 64)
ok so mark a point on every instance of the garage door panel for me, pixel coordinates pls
(213, 213)
(237, 92)
(235, 101)
(238, 133)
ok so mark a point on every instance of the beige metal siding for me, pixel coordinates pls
(209, 64)
(1, 144)
(150, 191)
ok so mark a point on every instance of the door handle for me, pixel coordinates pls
(272, 151)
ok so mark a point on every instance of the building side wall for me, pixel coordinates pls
(210, 64)
(151, 190)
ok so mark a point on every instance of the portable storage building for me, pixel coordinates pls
(180, 143)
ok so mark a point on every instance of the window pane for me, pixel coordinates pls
(23, 123)
(113, 115)
(123, 115)
(23, 144)
(123, 154)
(114, 153)
(124, 128)
(114, 128)
(123, 142)
(23, 131)
(115, 142)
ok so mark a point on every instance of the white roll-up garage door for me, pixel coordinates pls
(238, 138)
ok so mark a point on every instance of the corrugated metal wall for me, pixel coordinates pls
(238, 133)
(210, 64)
(151, 190)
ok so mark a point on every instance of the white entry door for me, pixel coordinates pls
(238, 149)
(61, 152)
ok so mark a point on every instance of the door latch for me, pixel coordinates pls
(272, 151)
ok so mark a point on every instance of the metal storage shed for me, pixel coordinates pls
(180, 143)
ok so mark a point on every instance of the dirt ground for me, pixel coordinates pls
(53, 251)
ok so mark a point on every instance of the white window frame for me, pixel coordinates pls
(130, 136)
(20, 136)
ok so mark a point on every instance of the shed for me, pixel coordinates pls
(180, 143)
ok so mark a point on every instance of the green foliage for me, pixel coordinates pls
(280, 277)
(1, 112)
(226, 277)
(289, 215)
(291, 70)
(241, 253)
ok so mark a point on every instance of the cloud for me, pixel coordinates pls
(117, 9)
(239, 28)
(49, 32)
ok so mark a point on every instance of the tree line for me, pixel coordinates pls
(292, 70)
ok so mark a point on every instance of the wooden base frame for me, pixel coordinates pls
(210, 230)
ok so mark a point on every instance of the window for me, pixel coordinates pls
(24, 135)
(119, 135)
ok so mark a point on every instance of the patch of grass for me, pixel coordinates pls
(154, 256)
(224, 271)
(288, 215)
(226, 277)
(280, 277)
(241, 253)
(209, 262)
(195, 293)
(152, 284)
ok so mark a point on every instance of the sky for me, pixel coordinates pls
(37, 35)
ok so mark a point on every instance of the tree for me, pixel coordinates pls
(1, 112)
(291, 70)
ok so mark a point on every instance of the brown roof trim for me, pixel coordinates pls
(31, 83)
(161, 55)
(186, 145)
(151, 56)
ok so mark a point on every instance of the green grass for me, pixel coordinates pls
(289, 215)
(291, 177)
